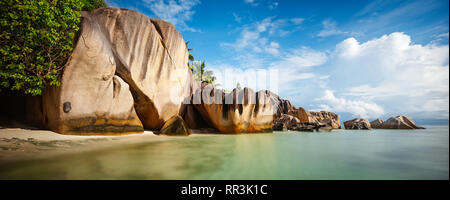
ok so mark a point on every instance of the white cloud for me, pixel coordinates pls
(356, 107)
(297, 20)
(273, 5)
(251, 2)
(273, 48)
(329, 29)
(301, 58)
(237, 18)
(285, 71)
(393, 72)
(178, 12)
(258, 37)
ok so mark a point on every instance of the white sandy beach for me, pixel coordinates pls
(18, 143)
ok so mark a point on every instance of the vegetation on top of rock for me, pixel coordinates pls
(36, 40)
(89, 5)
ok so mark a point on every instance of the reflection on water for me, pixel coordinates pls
(342, 154)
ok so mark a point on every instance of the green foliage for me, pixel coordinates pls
(199, 70)
(201, 74)
(191, 58)
(92, 4)
(36, 40)
(238, 86)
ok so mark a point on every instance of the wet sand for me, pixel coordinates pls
(23, 143)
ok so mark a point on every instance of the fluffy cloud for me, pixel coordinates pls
(178, 12)
(356, 107)
(258, 37)
(391, 71)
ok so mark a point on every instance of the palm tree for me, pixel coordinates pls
(191, 57)
(238, 86)
(202, 70)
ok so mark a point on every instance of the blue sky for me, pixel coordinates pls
(371, 59)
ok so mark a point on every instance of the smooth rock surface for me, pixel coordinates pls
(399, 122)
(357, 123)
(240, 111)
(150, 55)
(126, 72)
(323, 117)
(91, 98)
(376, 123)
(175, 126)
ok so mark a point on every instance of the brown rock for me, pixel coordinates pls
(323, 117)
(150, 55)
(311, 127)
(193, 118)
(240, 111)
(399, 122)
(376, 123)
(280, 105)
(285, 122)
(175, 126)
(357, 123)
(124, 65)
(328, 118)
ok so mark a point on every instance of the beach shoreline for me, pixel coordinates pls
(25, 143)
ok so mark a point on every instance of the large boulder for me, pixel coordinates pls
(150, 55)
(328, 118)
(125, 69)
(376, 123)
(310, 127)
(399, 122)
(323, 117)
(357, 123)
(175, 126)
(284, 122)
(240, 111)
(289, 122)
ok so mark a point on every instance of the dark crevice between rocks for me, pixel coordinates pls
(143, 105)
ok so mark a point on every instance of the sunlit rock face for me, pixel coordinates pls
(280, 105)
(329, 119)
(357, 123)
(376, 123)
(151, 56)
(399, 122)
(285, 122)
(125, 69)
(240, 111)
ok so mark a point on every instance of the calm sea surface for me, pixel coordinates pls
(341, 154)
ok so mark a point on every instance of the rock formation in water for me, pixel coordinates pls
(175, 126)
(285, 122)
(376, 123)
(357, 123)
(289, 122)
(322, 118)
(236, 112)
(399, 122)
(328, 118)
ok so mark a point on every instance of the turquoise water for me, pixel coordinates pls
(341, 154)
